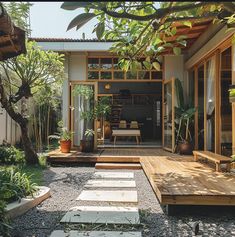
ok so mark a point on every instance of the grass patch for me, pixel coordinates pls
(34, 171)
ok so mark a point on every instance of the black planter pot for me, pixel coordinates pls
(185, 148)
(86, 145)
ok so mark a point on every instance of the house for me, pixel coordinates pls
(12, 44)
(205, 68)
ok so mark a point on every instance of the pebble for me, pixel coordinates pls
(66, 183)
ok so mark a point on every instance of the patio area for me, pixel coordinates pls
(176, 180)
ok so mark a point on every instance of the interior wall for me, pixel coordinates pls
(134, 87)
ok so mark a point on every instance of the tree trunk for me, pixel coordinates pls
(30, 154)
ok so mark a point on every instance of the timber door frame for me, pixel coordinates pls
(172, 81)
(71, 116)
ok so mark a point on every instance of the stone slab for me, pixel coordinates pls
(129, 166)
(114, 175)
(103, 183)
(108, 196)
(74, 233)
(102, 215)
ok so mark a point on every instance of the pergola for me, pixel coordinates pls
(12, 38)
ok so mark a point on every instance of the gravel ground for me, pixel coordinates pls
(67, 182)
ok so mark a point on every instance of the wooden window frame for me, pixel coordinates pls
(112, 70)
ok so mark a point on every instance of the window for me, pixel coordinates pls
(107, 68)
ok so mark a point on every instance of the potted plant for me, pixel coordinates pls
(64, 137)
(232, 93)
(184, 122)
(87, 144)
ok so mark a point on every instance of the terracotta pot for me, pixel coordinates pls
(185, 148)
(86, 145)
(65, 146)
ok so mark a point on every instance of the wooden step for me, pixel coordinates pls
(131, 166)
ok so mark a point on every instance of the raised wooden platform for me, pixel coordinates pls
(179, 180)
(176, 180)
(98, 157)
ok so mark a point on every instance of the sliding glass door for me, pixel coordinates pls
(210, 104)
(225, 105)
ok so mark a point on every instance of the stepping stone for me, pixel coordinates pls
(115, 175)
(74, 233)
(102, 215)
(108, 196)
(103, 183)
(131, 166)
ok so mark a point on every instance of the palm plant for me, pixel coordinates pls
(184, 114)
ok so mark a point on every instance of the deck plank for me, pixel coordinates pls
(180, 180)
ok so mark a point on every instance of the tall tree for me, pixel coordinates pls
(21, 78)
(141, 28)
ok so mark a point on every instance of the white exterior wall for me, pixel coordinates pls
(174, 67)
(9, 130)
(77, 67)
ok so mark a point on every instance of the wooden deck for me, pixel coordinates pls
(100, 156)
(176, 180)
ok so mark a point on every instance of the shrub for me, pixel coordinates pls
(4, 221)
(15, 185)
(11, 155)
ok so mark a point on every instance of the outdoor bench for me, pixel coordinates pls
(216, 158)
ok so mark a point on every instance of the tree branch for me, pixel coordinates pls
(159, 12)
(190, 18)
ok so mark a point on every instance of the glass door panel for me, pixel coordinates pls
(83, 97)
(210, 104)
(200, 132)
(226, 108)
(168, 115)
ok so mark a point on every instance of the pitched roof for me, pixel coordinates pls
(66, 40)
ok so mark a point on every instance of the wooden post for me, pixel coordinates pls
(217, 103)
(233, 104)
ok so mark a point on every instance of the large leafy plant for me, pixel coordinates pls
(184, 115)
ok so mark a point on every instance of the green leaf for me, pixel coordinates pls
(177, 50)
(74, 5)
(148, 59)
(157, 66)
(188, 23)
(100, 30)
(181, 37)
(80, 20)
(183, 42)
(233, 39)
(173, 31)
(179, 93)
(157, 41)
(147, 65)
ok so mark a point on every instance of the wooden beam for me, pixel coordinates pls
(6, 25)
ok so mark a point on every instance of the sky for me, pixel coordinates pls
(48, 20)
